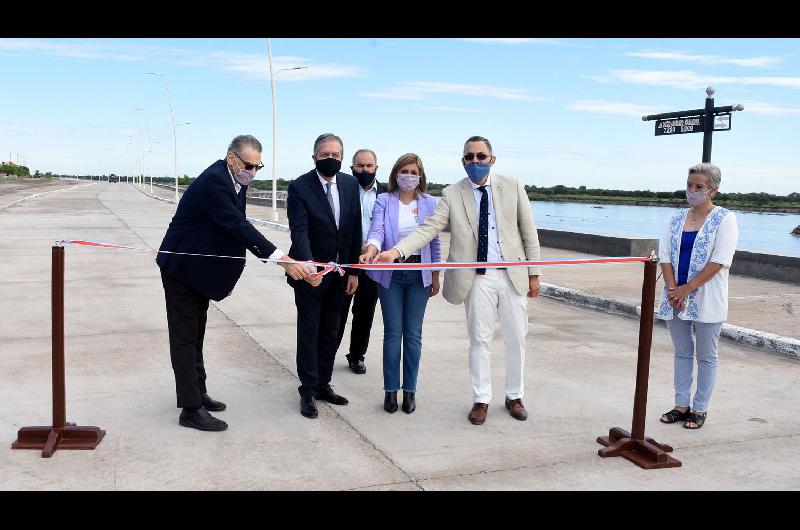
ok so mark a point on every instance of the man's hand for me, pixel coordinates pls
(387, 256)
(533, 286)
(314, 279)
(367, 254)
(297, 269)
(352, 285)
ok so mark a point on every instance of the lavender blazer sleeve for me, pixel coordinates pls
(385, 216)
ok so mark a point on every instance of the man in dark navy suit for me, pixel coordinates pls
(324, 213)
(210, 219)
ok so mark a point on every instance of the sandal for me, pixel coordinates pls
(698, 418)
(675, 415)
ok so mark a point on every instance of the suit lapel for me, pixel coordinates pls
(497, 200)
(316, 189)
(393, 204)
(468, 196)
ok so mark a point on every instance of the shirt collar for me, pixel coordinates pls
(323, 181)
(488, 182)
(236, 186)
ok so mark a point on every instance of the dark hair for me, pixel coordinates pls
(324, 138)
(406, 159)
(479, 139)
(242, 140)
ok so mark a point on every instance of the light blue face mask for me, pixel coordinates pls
(477, 172)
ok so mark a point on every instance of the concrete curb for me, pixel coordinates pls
(768, 342)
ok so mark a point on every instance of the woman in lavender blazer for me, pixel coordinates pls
(403, 294)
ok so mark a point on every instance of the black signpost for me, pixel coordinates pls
(705, 120)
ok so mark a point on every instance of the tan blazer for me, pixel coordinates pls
(518, 238)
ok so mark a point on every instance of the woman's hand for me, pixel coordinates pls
(434, 284)
(678, 295)
(368, 254)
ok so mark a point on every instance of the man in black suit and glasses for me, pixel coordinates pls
(210, 219)
(324, 214)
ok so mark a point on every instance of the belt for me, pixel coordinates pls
(481, 272)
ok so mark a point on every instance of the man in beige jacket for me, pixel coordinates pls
(490, 220)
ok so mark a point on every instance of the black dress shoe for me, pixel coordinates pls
(358, 366)
(202, 420)
(308, 406)
(327, 394)
(211, 404)
(409, 403)
(390, 402)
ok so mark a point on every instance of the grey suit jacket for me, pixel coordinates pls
(518, 238)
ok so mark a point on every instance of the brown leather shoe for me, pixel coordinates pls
(516, 408)
(478, 413)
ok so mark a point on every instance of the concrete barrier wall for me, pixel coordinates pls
(766, 266)
(597, 244)
(773, 267)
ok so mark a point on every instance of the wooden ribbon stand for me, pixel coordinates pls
(61, 435)
(642, 451)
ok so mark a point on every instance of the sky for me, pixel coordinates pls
(557, 111)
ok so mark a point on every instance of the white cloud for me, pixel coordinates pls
(67, 49)
(423, 89)
(392, 95)
(497, 40)
(689, 80)
(751, 62)
(250, 65)
(759, 107)
(614, 108)
(451, 109)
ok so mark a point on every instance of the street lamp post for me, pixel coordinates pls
(174, 132)
(274, 130)
(150, 151)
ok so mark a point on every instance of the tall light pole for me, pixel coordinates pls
(150, 151)
(174, 132)
(274, 130)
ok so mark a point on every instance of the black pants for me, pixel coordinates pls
(318, 311)
(364, 301)
(187, 312)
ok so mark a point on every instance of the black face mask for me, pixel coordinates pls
(328, 167)
(364, 179)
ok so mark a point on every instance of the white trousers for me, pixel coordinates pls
(491, 294)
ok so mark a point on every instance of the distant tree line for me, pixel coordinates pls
(560, 191)
(15, 170)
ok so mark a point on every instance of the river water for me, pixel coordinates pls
(758, 232)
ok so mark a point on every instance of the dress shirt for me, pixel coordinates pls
(368, 198)
(334, 193)
(494, 254)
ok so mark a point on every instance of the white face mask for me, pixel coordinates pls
(696, 198)
(407, 181)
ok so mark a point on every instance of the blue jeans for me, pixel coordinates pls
(704, 341)
(403, 307)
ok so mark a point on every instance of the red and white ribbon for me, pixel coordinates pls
(339, 268)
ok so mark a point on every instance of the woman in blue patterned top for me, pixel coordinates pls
(699, 242)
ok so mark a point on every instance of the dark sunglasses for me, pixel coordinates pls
(248, 166)
(469, 157)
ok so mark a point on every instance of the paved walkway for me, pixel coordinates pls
(579, 378)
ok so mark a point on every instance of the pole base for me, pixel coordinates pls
(49, 439)
(646, 453)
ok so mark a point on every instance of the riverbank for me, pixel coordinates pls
(669, 203)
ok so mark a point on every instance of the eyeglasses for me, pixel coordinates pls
(469, 157)
(247, 165)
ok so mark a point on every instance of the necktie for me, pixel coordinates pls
(483, 229)
(330, 199)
